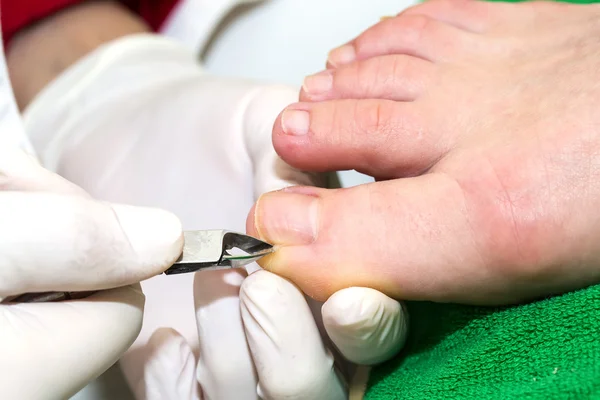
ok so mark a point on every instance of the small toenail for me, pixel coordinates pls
(318, 83)
(342, 55)
(295, 122)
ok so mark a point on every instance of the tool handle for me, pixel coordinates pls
(50, 297)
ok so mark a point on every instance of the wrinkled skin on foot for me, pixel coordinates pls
(480, 122)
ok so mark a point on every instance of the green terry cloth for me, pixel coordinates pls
(561, 1)
(546, 350)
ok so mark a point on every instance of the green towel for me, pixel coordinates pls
(547, 350)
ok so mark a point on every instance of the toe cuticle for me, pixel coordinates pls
(342, 55)
(295, 122)
(319, 83)
(257, 222)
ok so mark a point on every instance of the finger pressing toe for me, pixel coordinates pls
(221, 337)
(414, 35)
(393, 77)
(291, 359)
(381, 138)
(366, 326)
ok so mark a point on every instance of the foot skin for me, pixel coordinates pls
(480, 121)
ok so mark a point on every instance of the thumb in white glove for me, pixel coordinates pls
(367, 326)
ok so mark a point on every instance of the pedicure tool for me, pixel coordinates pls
(202, 250)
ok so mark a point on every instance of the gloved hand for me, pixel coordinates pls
(138, 121)
(55, 237)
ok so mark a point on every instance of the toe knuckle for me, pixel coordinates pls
(508, 239)
(366, 73)
(415, 27)
(397, 67)
(365, 42)
(349, 79)
(387, 71)
(376, 116)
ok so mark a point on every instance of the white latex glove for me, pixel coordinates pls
(55, 237)
(138, 121)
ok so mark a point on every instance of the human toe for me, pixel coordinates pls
(392, 77)
(415, 35)
(382, 138)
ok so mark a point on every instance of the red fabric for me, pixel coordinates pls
(17, 14)
(155, 12)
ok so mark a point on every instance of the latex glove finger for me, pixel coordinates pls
(270, 171)
(168, 368)
(291, 360)
(46, 355)
(67, 241)
(366, 326)
(157, 364)
(57, 242)
(225, 368)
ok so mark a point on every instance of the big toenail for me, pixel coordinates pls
(318, 83)
(342, 55)
(295, 122)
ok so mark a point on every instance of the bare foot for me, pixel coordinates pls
(483, 120)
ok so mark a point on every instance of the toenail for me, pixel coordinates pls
(318, 83)
(295, 122)
(342, 55)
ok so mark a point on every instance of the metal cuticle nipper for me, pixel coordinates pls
(202, 250)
